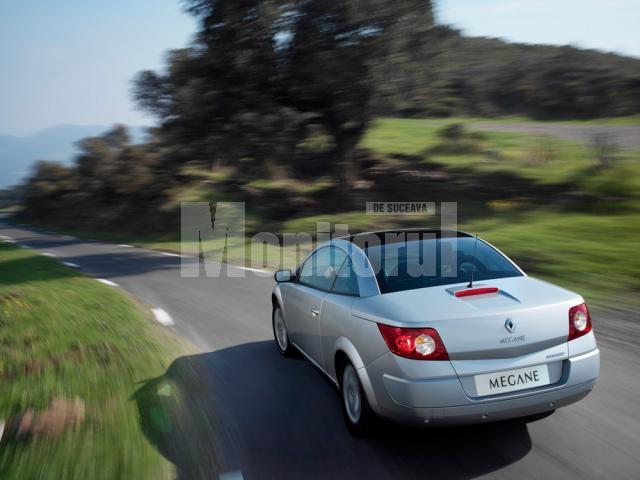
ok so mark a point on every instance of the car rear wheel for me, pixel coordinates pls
(355, 407)
(280, 333)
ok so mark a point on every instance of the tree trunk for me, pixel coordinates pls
(347, 172)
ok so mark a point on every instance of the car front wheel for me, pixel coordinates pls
(280, 333)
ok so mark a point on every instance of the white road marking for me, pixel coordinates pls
(169, 254)
(68, 237)
(70, 264)
(107, 282)
(237, 475)
(162, 317)
(257, 270)
(47, 254)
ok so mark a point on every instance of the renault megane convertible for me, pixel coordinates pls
(434, 327)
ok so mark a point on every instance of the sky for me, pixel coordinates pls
(72, 61)
(609, 25)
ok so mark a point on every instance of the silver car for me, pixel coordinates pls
(434, 327)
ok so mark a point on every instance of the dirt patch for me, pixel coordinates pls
(61, 414)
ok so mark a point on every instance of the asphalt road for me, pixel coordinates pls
(239, 410)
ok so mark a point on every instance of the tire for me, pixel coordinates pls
(358, 416)
(280, 334)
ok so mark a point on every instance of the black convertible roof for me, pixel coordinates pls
(399, 235)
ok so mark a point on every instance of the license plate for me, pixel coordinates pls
(512, 380)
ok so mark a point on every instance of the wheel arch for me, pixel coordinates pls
(345, 351)
(276, 298)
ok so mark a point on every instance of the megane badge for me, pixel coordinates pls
(510, 325)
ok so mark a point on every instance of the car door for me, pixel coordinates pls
(336, 319)
(304, 301)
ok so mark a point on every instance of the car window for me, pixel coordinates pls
(320, 269)
(431, 262)
(346, 282)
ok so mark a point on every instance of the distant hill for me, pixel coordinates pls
(488, 77)
(445, 73)
(17, 154)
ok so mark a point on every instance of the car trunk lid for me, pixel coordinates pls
(524, 315)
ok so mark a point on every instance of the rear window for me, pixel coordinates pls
(428, 260)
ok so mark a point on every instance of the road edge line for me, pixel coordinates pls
(162, 317)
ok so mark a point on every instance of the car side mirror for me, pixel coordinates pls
(282, 276)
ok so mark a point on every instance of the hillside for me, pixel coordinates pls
(488, 76)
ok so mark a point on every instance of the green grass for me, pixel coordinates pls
(595, 255)
(356, 221)
(542, 159)
(593, 251)
(218, 175)
(588, 247)
(518, 119)
(64, 335)
(292, 185)
(402, 136)
(626, 120)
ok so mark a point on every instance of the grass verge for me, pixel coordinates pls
(550, 204)
(72, 353)
(592, 254)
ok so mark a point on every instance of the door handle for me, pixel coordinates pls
(314, 311)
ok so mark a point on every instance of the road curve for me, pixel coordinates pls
(239, 407)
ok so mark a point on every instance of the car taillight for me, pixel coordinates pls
(579, 321)
(416, 343)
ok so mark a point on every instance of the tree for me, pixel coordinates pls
(219, 101)
(46, 188)
(262, 74)
(328, 74)
(112, 183)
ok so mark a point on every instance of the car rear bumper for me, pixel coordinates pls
(440, 399)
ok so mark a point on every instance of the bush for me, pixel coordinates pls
(604, 149)
(455, 140)
(617, 181)
(454, 131)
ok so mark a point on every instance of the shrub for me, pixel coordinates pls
(604, 149)
(455, 140)
(454, 131)
(620, 180)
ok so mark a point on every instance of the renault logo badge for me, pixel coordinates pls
(510, 325)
